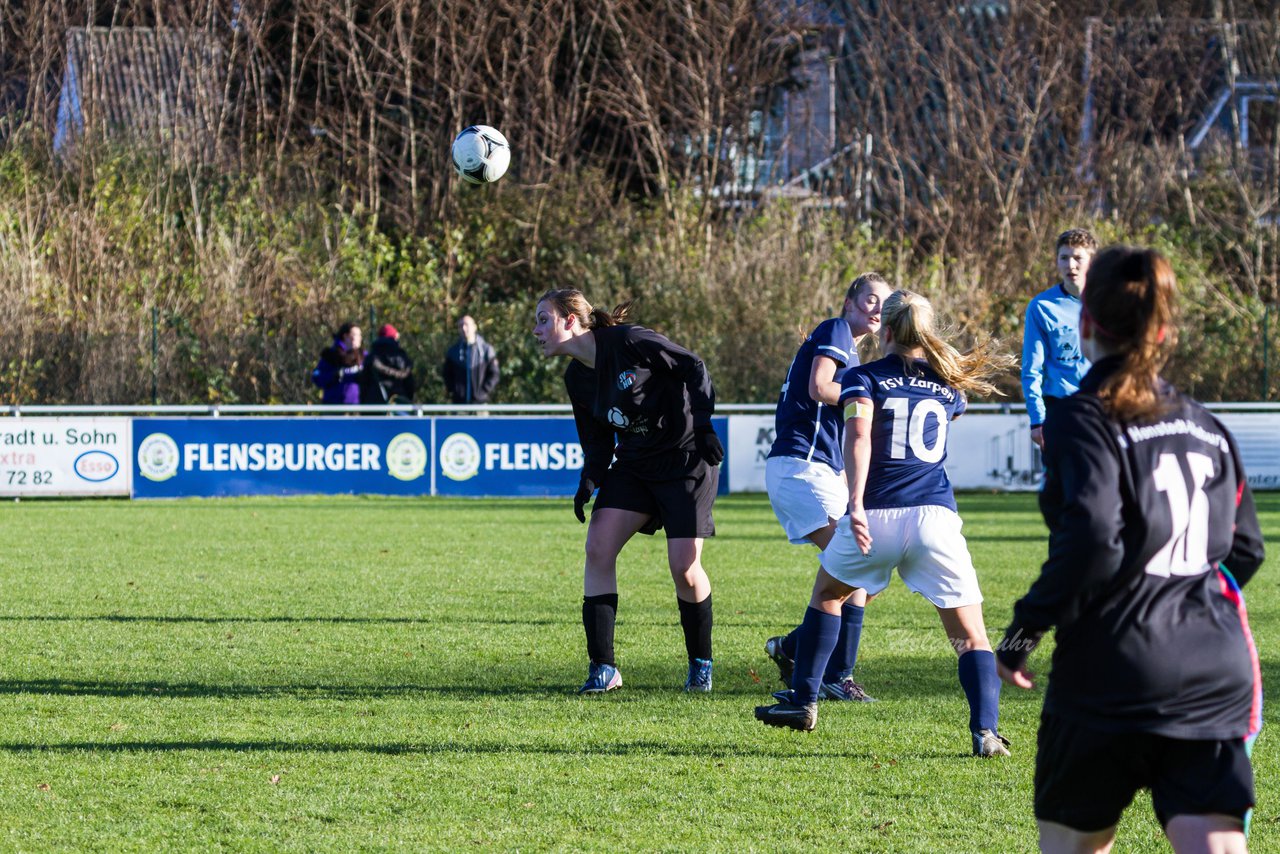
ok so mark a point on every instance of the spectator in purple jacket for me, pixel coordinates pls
(338, 372)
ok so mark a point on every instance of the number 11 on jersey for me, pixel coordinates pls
(1187, 552)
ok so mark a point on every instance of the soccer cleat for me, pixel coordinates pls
(786, 664)
(846, 689)
(988, 742)
(789, 715)
(699, 679)
(603, 677)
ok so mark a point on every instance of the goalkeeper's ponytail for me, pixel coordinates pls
(571, 301)
(1130, 307)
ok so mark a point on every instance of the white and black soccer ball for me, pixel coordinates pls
(481, 154)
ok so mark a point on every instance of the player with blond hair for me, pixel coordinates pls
(804, 473)
(902, 513)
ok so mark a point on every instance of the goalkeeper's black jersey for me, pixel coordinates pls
(648, 392)
(1151, 636)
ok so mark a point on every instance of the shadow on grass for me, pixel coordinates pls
(345, 502)
(770, 623)
(423, 621)
(1038, 537)
(641, 689)
(615, 748)
(897, 678)
(80, 688)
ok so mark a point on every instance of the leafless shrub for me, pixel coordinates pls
(294, 174)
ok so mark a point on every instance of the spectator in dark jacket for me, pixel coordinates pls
(388, 370)
(471, 366)
(340, 366)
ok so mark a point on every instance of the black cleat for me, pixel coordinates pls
(789, 715)
(786, 664)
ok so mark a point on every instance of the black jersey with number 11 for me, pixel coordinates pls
(1151, 636)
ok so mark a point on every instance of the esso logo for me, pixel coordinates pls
(96, 466)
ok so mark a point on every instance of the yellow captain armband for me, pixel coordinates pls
(858, 410)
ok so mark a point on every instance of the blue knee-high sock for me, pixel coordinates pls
(845, 656)
(981, 685)
(817, 637)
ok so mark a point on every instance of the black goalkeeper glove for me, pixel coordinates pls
(708, 445)
(586, 486)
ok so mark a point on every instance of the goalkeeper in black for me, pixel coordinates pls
(646, 404)
(1155, 681)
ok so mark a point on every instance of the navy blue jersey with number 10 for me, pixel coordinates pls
(913, 409)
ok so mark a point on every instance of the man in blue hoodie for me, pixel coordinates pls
(1052, 364)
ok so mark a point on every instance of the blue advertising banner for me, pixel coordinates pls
(176, 457)
(517, 456)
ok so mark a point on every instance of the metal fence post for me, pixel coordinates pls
(155, 351)
(1266, 378)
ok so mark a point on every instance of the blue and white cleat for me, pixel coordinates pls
(699, 678)
(603, 677)
(845, 690)
(988, 743)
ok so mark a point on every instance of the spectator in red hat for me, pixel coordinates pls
(388, 370)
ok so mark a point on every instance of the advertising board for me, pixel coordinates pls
(984, 451)
(517, 456)
(176, 457)
(64, 456)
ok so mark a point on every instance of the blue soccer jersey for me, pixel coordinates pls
(913, 409)
(1052, 364)
(803, 427)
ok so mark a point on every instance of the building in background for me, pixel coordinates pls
(149, 84)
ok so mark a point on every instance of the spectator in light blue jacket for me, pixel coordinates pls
(1052, 364)
(339, 370)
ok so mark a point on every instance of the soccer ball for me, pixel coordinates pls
(481, 154)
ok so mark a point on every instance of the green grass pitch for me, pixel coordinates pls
(328, 674)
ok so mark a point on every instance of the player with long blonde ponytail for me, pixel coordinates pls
(902, 513)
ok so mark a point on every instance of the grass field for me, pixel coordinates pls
(341, 673)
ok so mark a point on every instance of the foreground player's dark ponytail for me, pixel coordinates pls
(1130, 302)
(569, 301)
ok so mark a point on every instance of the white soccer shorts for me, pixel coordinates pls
(805, 495)
(923, 543)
